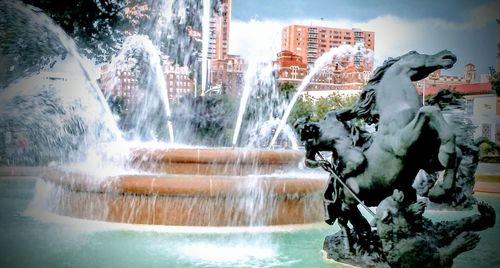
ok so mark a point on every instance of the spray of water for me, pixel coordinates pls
(335, 52)
(155, 87)
(205, 44)
(247, 89)
(262, 101)
(59, 109)
(70, 47)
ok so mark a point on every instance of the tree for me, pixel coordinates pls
(315, 110)
(332, 102)
(97, 26)
(117, 105)
(286, 90)
(495, 83)
(303, 108)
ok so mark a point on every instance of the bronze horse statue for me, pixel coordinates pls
(408, 137)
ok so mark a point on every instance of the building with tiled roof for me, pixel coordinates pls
(482, 104)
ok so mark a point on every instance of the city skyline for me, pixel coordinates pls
(468, 28)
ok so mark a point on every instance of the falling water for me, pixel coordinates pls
(205, 44)
(247, 89)
(262, 101)
(68, 119)
(320, 63)
(156, 82)
(70, 47)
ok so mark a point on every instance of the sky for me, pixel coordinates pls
(466, 27)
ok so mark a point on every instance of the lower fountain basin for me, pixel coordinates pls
(193, 187)
(189, 200)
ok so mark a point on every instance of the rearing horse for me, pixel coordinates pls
(409, 137)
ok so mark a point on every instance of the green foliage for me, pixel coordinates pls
(204, 120)
(315, 110)
(495, 83)
(286, 90)
(118, 105)
(488, 148)
(304, 108)
(97, 26)
(453, 94)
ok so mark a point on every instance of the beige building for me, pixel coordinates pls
(220, 24)
(484, 110)
(310, 42)
(482, 104)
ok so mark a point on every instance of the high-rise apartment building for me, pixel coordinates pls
(310, 42)
(498, 47)
(226, 71)
(219, 30)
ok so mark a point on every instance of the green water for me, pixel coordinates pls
(27, 241)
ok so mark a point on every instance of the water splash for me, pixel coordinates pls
(140, 54)
(66, 112)
(260, 136)
(335, 52)
(205, 45)
(259, 94)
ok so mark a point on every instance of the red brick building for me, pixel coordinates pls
(290, 66)
(177, 79)
(119, 80)
(342, 76)
(228, 74)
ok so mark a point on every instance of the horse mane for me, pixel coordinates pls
(365, 106)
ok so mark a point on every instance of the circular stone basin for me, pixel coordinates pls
(210, 161)
(194, 187)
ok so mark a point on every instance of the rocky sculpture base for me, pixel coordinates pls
(404, 238)
(334, 248)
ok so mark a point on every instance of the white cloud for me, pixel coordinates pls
(257, 40)
(260, 39)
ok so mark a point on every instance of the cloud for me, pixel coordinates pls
(256, 39)
(472, 39)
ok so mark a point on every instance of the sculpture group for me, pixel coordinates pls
(377, 166)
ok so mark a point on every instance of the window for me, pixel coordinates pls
(294, 71)
(469, 106)
(486, 131)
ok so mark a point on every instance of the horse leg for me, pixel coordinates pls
(427, 116)
(448, 156)
(431, 117)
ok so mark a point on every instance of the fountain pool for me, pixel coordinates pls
(31, 239)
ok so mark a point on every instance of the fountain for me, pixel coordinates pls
(91, 175)
(164, 183)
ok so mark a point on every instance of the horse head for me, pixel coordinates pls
(419, 66)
